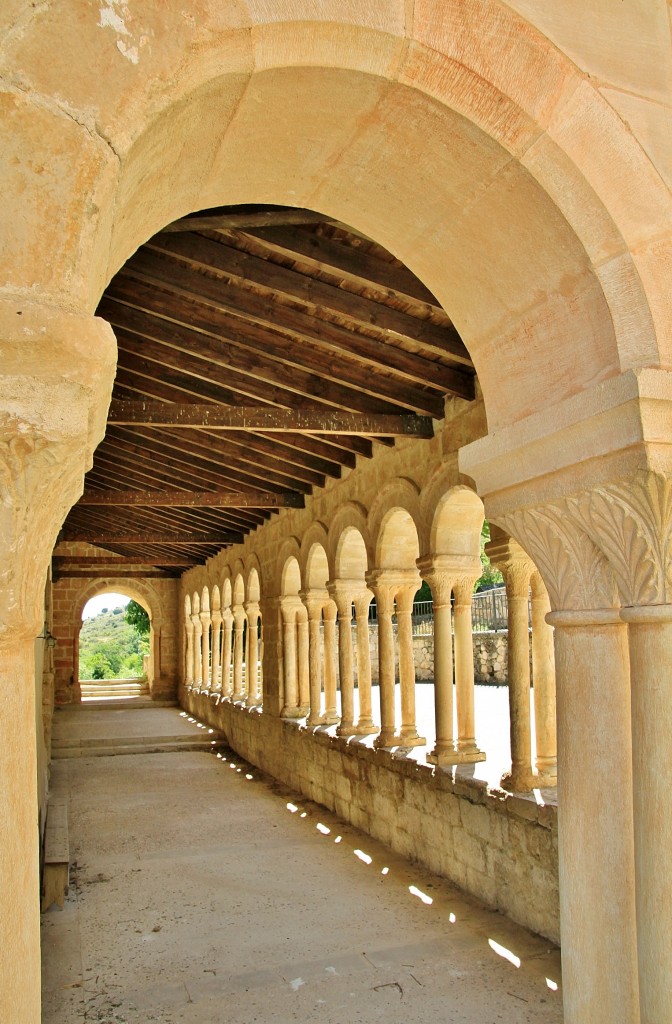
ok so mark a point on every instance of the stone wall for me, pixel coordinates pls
(491, 661)
(499, 847)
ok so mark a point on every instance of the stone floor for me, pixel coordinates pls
(203, 893)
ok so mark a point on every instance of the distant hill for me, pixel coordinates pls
(109, 648)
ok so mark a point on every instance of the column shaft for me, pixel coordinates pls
(345, 665)
(189, 655)
(543, 680)
(215, 680)
(205, 651)
(330, 712)
(303, 661)
(521, 776)
(253, 697)
(238, 645)
(596, 855)
(385, 605)
(198, 651)
(464, 672)
(408, 735)
(291, 698)
(227, 641)
(365, 724)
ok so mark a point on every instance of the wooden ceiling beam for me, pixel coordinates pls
(194, 499)
(199, 251)
(73, 561)
(212, 417)
(121, 573)
(150, 539)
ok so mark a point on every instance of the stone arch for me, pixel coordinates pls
(138, 590)
(253, 588)
(216, 598)
(314, 563)
(393, 524)
(457, 523)
(289, 552)
(227, 592)
(351, 516)
(503, 131)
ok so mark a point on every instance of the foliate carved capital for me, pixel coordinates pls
(464, 589)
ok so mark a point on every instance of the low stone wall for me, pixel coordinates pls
(499, 847)
(491, 662)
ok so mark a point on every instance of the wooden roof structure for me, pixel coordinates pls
(261, 350)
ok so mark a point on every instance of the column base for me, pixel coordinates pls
(238, 698)
(330, 717)
(546, 776)
(409, 737)
(366, 727)
(288, 712)
(520, 781)
(315, 720)
(252, 702)
(346, 729)
(446, 757)
(384, 742)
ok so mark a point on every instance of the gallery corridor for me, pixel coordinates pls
(202, 892)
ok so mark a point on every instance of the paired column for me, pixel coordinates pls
(227, 646)
(198, 650)
(329, 616)
(239, 620)
(446, 574)
(189, 653)
(408, 734)
(384, 595)
(215, 680)
(365, 724)
(543, 679)
(315, 602)
(253, 674)
(205, 650)
(290, 708)
(341, 594)
(302, 636)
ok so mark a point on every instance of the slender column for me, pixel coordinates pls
(302, 634)
(314, 604)
(543, 680)
(239, 619)
(409, 732)
(227, 638)
(384, 595)
(189, 655)
(253, 695)
(441, 585)
(517, 573)
(596, 846)
(464, 671)
(291, 698)
(365, 724)
(198, 650)
(330, 711)
(215, 678)
(650, 636)
(205, 651)
(342, 595)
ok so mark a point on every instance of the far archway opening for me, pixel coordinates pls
(113, 646)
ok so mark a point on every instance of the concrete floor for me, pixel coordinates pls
(204, 893)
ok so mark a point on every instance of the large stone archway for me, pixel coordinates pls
(463, 139)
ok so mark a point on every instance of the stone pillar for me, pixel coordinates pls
(56, 374)
(272, 654)
(302, 635)
(543, 680)
(517, 569)
(239, 620)
(595, 824)
(314, 602)
(330, 712)
(189, 654)
(205, 651)
(441, 584)
(464, 671)
(227, 645)
(650, 638)
(596, 856)
(215, 679)
(365, 724)
(384, 595)
(253, 676)
(342, 596)
(198, 650)
(290, 707)
(408, 734)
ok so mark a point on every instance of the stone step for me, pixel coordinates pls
(120, 702)
(109, 749)
(62, 742)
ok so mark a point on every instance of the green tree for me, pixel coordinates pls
(490, 577)
(137, 617)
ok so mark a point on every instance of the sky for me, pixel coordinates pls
(110, 601)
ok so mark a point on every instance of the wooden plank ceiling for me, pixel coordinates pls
(261, 350)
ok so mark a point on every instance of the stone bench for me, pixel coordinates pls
(55, 873)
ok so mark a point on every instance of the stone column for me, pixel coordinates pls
(342, 596)
(650, 636)
(517, 569)
(290, 707)
(464, 671)
(543, 680)
(314, 602)
(365, 724)
(205, 651)
(441, 584)
(253, 680)
(198, 650)
(384, 595)
(215, 680)
(302, 635)
(330, 712)
(189, 654)
(56, 374)
(409, 733)
(596, 856)
(239, 620)
(272, 654)
(227, 644)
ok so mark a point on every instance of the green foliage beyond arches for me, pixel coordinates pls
(112, 645)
